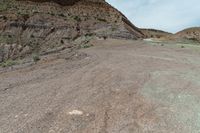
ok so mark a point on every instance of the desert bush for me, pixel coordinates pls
(36, 57)
(3, 7)
(51, 13)
(86, 46)
(101, 19)
(89, 34)
(77, 18)
(8, 63)
(104, 37)
(62, 42)
(61, 15)
(7, 39)
(32, 36)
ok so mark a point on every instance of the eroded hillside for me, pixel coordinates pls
(36, 26)
(154, 33)
(190, 33)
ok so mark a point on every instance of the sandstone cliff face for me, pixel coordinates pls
(39, 25)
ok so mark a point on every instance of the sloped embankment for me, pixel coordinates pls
(36, 26)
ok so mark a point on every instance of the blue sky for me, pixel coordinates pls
(167, 15)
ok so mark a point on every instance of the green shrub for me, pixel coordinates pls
(77, 18)
(8, 63)
(105, 37)
(3, 7)
(89, 34)
(36, 57)
(86, 46)
(32, 36)
(61, 15)
(7, 39)
(62, 42)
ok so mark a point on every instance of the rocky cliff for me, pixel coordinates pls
(38, 25)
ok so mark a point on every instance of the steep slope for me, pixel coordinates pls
(62, 2)
(153, 33)
(190, 33)
(40, 25)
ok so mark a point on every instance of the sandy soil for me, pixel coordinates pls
(119, 87)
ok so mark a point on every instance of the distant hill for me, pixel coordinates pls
(153, 33)
(190, 33)
(187, 35)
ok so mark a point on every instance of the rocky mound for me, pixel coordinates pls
(153, 33)
(37, 26)
(190, 33)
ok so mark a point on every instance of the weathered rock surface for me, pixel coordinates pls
(41, 25)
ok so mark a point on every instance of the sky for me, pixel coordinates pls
(167, 15)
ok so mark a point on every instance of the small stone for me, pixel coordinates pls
(75, 112)
(51, 131)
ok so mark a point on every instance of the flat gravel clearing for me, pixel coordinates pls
(119, 87)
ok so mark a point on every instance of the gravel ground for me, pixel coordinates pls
(119, 87)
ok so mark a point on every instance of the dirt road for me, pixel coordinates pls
(119, 87)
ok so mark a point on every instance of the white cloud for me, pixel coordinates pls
(168, 15)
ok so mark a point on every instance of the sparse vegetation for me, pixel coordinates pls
(89, 34)
(36, 57)
(3, 17)
(87, 45)
(3, 6)
(104, 37)
(61, 15)
(61, 41)
(193, 39)
(32, 36)
(35, 11)
(75, 37)
(6, 39)
(8, 63)
(51, 13)
(77, 18)
(101, 19)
